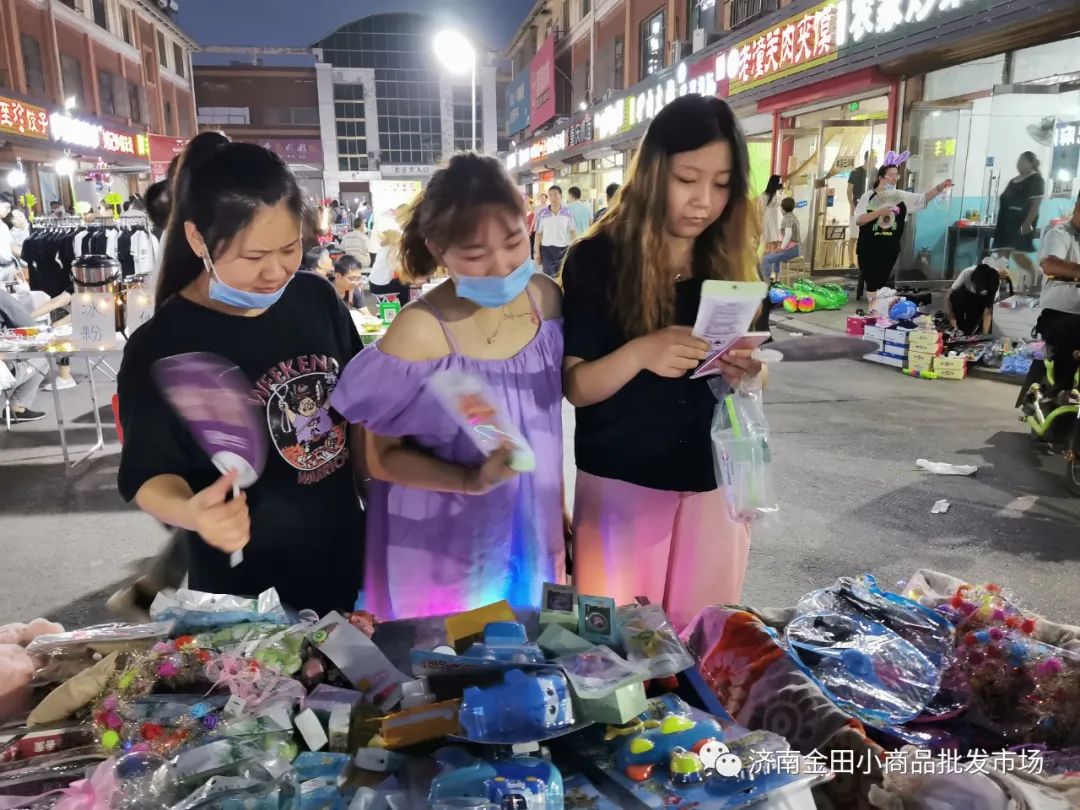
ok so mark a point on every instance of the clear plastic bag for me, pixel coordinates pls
(651, 642)
(598, 672)
(740, 437)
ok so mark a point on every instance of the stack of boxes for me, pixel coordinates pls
(923, 346)
(892, 345)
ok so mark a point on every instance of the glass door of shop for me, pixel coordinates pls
(843, 148)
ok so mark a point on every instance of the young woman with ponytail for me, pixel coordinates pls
(228, 285)
(449, 530)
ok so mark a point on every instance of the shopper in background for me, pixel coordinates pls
(769, 204)
(385, 277)
(579, 210)
(881, 215)
(1018, 215)
(228, 285)
(540, 204)
(21, 379)
(348, 280)
(356, 243)
(9, 266)
(19, 226)
(610, 192)
(448, 529)
(1059, 323)
(790, 246)
(648, 517)
(317, 260)
(555, 230)
(856, 187)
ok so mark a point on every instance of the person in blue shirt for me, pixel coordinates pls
(579, 210)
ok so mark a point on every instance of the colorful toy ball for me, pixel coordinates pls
(791, 304)
(806, 304)
(777, 295)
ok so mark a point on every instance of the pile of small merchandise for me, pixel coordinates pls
(228, 702)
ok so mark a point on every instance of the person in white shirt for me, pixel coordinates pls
(1059, 323)
(555, 230)
(384, 281)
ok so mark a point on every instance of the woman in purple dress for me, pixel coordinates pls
(448, 529)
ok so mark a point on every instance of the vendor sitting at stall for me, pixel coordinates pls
(970, 302)
(20, 381)
(1059, 323)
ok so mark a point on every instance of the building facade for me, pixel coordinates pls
(276, 107)
(89, 80)
(818, 86)
(388, 111)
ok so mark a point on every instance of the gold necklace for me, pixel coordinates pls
(498, 326)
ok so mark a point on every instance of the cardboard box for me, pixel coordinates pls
(926, 342)
(919, 361)
(874, 332)
(897, 336)
(885, 360)
(422, 724)
(621, 706)
(894, 350)
(950, 368)
(856, 325)
(465, 629)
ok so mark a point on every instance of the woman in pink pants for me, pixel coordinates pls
(648, 517)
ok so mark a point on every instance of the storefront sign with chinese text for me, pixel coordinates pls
(20, 118)
(542, 85)
(861, 20)
(406, 170)
(77, 132)
(796, 44)
(581, 132)
(162, 151)
(294, 151)
(517, 103)
(549, 145)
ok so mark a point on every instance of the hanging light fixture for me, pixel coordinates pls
(17, 177)
(65, 166)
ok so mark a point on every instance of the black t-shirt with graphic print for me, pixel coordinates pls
(307, 530)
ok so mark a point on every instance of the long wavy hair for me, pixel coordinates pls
(644, 296)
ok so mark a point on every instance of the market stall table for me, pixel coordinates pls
(95, 359)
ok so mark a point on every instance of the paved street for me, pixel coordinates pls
(846, 436)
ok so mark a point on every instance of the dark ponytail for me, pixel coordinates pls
(219, 186)
(451, 206)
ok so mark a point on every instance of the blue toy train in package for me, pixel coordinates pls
(506, 642)
(526, 707)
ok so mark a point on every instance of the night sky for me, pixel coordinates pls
(299, 23)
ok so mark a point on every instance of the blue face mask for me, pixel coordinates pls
(241, 299)
(495, 291)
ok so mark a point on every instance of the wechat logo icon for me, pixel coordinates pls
(716, 756)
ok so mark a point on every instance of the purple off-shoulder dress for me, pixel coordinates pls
(432, 553)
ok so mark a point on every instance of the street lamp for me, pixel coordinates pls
(458, 56)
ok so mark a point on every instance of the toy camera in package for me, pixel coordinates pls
(741, 455)
(468, 399)
(526, 707)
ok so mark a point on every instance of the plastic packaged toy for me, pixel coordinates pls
(598, 672)
(861, 597)
(471, 404)
(538, 784)
(524, 708)
(863, 666)
(659, 740)
(507, 642)
(196, 610)
(651, 642)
